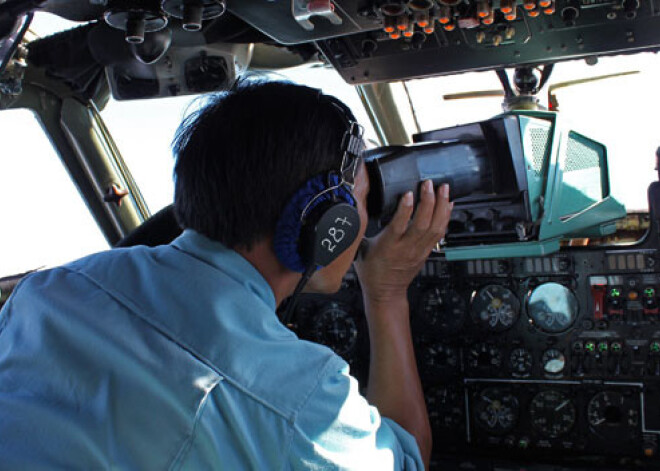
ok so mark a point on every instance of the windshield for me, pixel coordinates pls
(618, 112)
(614, 112)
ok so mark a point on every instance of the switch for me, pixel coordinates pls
(506, 6)
(650, 445)
(389, 24)
(444, 15)
(649, 300)
(598, 294)
(403, 23)
(590, 346)
(483, 9)
(654, 354)
(615, 302)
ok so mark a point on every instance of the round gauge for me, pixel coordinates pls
(613, 415)
(483, 355)
(495, 308)
(442, 309)
(336, 328)
(439, 356)
(553, 362)
(445, 408)
(552, 413)
(496, 410)
(552, 307)
(520, 362)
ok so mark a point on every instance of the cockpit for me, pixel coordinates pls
(536, 321)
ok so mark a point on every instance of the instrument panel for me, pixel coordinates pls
(554, 357)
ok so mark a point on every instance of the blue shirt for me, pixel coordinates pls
(173, 358)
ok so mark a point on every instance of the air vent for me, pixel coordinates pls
(539, 137)
(581, 154)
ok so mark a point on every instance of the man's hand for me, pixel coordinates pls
(395, 256)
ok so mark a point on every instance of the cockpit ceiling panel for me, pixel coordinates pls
(276, 19)
(362, 59)
(367, 43)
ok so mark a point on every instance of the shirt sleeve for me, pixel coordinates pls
(338, 429)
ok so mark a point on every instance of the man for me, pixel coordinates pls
(174, 358)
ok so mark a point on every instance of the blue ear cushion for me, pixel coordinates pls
(288, 228)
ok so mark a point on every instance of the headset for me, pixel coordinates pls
(321, 221)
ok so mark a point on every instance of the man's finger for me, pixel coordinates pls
(399, 222)
(441, 212)
(424, 212)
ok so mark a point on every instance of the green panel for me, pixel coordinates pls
(601, 214)
(536, 141)
(516, 249)
(576, 209)
(582, 174)
(599, 231)
(567, 172)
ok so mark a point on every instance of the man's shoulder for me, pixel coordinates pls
(104, 262)
(99, 262)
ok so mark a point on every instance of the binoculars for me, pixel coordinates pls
(394, 170)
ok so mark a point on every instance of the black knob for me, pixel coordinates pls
(193, 13)
(135, 29)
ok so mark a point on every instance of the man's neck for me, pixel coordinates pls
(281, 280)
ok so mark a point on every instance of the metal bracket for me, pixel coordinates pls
(303, 10)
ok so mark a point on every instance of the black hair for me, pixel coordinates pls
(241, 157)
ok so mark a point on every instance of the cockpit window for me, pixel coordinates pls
(44, 24)
(143, 130)
(45, 222)
(328, 80)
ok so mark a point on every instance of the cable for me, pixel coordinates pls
(291, 303)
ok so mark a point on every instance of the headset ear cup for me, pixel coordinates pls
(295, 247)
(331, 231)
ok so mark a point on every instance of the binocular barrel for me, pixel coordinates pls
(394, 170)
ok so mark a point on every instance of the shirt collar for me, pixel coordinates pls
(226, 260)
